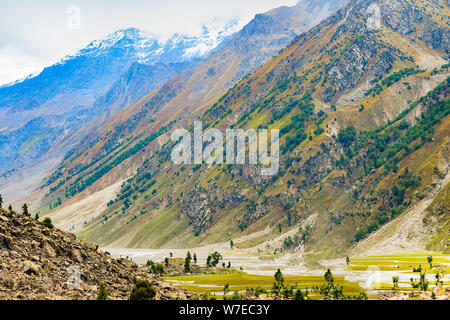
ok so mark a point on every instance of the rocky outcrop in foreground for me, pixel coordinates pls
(37, 262)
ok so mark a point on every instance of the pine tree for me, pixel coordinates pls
(1, 201)
(187, 262)
(329, 277)
(279, 282)
(25, 210)
(279, 277)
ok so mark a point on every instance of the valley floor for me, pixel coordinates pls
(373, 273)
(394, 250)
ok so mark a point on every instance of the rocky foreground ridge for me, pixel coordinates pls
(39, 263)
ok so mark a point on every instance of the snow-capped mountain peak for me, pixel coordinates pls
(211, 38)
(146, 48)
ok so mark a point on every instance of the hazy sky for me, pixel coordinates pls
(35, 34)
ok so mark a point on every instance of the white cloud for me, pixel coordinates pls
(15, 65)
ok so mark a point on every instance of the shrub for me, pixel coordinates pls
(300, 295)
(143, 291)
(102, 292)
(58, 251)
(48, 223)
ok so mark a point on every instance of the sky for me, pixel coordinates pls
(35, 34)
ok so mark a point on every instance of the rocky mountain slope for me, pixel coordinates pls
(44, 116)
(363, 119)
(188, 92)
(257, 42)
(38, 263)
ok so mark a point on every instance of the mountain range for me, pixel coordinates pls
(44, 116)
(363, 112)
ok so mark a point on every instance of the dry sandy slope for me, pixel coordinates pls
(406, 234)
(73, 216)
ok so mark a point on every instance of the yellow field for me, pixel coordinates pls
(241, 281)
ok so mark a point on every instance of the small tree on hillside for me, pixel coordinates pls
(187, 262)
(195, 258)
(25, 210)
(1, 201)
(10, 209)
(48, 223)
(231, 244)
(102, 292)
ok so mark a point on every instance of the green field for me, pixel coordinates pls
(401, 263)
(213, 284)
(241, 281)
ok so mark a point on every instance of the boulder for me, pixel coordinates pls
(30, 268)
